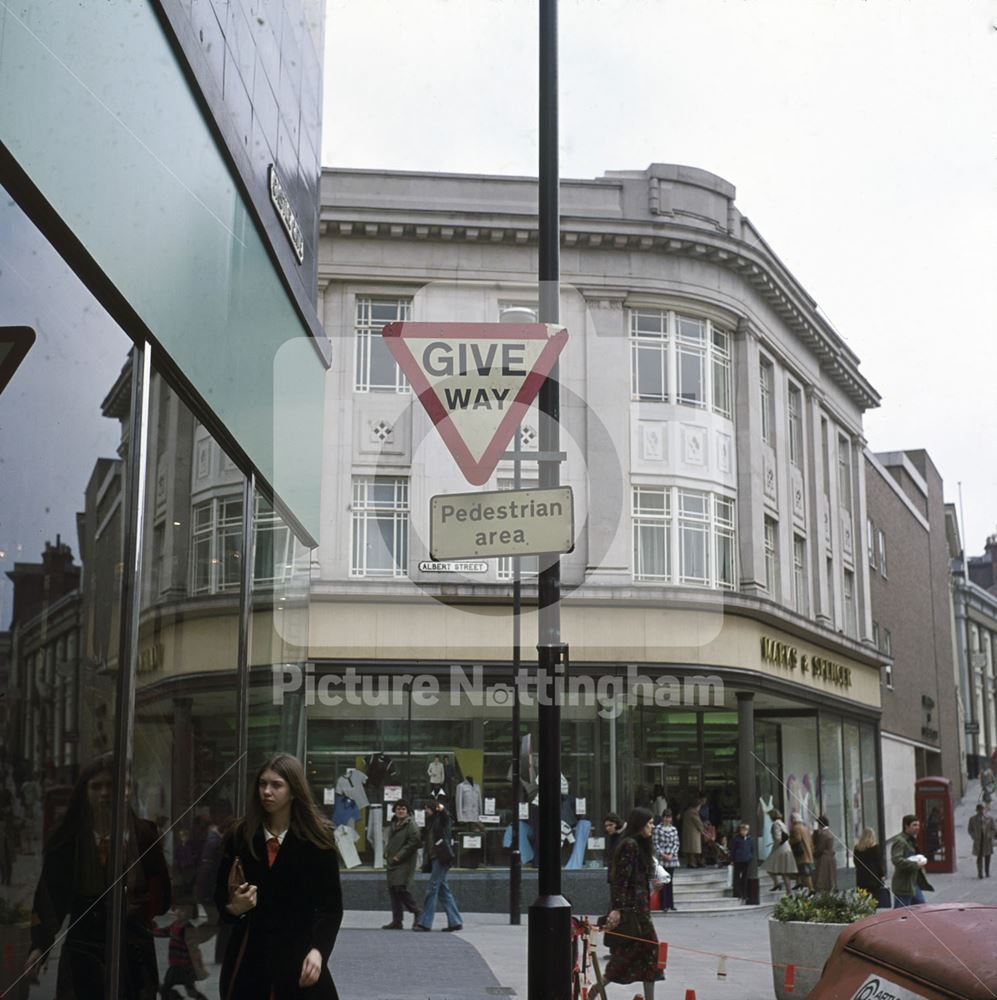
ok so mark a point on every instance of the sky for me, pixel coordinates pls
(861, 138)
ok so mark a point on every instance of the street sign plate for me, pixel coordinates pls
(453, 566)
(476, 381)
(502, 523)
(972, 728)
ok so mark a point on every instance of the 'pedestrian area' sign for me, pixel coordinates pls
(501, 523)
(476, 381)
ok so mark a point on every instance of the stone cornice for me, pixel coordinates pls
(757, 266)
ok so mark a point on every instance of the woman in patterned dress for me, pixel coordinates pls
(634, 961)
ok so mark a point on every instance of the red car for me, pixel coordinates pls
(936, 952)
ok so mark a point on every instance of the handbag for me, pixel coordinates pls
(443, 852)
(627, 928)
(237, 877)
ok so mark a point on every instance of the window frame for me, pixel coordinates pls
(800, 597)
(794, 418)
(214, 530)
(712, 530)
(770, 544)
(365, 328)
(882, 554)
(665, 349)
(766, 390)
(364, 512)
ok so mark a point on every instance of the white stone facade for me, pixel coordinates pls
(667, 242)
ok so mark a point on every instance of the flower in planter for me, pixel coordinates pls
(828, 907)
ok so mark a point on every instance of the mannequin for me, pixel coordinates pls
(468, 801)
(765, 826)
(435, 774)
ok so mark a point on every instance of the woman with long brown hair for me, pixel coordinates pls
(278, 885)
(76, 880)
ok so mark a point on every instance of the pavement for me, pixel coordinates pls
(487, 958)
(741, 935)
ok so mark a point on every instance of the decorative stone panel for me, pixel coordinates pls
(799, 493)
(724, 452)
(202, 459)
(653, 441)
(847, 541)
(770, 481)
(694, 445)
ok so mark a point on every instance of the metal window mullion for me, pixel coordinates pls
(245, 640)
(134, 520)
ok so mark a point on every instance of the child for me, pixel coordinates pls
(181, 971)
(742, 850)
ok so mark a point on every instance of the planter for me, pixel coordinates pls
(805, 945)
(15, 943)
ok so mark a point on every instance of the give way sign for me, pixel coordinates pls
(476, 381)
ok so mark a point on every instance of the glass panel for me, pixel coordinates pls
(768, 775)
(692, 377)
(158, 188)
(64, 452)
(650, 371)
(279, 648)
(799, 766)
(854, 819)
(870, 800)
(185, 742)
(832, 789)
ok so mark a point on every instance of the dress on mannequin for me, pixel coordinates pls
(765, 827)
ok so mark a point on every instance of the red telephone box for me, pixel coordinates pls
(933, 807)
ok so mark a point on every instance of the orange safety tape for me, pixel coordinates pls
(713, 954)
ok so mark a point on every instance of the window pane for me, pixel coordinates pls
(691, 330)
(694, 553)
(649, 371)
(721, 386)
(651, 551)
(692, 387)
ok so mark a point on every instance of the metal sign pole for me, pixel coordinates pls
(549, 960)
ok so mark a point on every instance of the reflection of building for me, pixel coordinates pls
(43, 686)
(976, 643)
(713, 422)
(908, 555)
(170, 407)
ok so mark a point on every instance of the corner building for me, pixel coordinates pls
(712, 421)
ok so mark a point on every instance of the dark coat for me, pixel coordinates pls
(869, 869)
(299, 906)
(404, 842)
(73, 883)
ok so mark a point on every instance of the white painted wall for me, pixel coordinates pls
(898, 790)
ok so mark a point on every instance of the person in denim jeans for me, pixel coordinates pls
(441, 846)
(909, 881)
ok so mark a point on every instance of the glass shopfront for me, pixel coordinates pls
(219, 599)
(614, 756)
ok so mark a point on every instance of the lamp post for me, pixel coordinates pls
(516, 314)
(549, 936)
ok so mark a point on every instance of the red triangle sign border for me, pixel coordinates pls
(476, 471)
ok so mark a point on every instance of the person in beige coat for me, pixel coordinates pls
(826, 873)
(981, 829)
(803, 851)
(692, 835)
